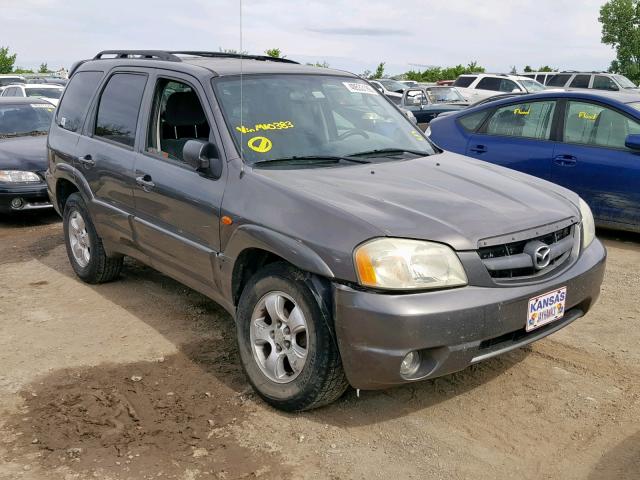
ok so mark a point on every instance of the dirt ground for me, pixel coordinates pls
(139, 379)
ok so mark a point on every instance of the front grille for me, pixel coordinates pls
(514, 260)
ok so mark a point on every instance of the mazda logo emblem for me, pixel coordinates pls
(542, 257)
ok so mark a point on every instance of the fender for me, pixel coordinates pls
(253, 236)
(70, 173)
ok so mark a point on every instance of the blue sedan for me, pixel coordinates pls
(587, 142)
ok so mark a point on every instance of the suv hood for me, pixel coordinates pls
(24, 153)
(446, 198)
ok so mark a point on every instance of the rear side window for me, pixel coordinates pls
(602, 82)
(119, 107)
(580, 81)
(559, 80)
(541, 78)
(473, 121)
(526, 120)
(497, 85)
(75, 101)
(463, 81)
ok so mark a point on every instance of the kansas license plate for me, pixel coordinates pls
(546, 308)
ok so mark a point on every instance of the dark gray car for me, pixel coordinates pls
(347, 247)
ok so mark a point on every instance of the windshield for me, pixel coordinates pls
(444, 95)
(25, 119)
(624, 82)
(393, 86)
(4, 81)
(285, 116)
(44, 92)
(532, 85)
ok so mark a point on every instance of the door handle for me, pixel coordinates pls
(478, 149)
(87, 161)
(565, 160)
(145, 182)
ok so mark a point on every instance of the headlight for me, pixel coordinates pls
(588, 225)
(400, 264)
(18, 176)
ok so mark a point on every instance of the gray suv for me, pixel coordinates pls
(348, 248)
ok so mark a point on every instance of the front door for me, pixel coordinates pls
(177, 209)
(593, 161)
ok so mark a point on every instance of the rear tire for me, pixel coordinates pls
(290, 357)
(84, 247)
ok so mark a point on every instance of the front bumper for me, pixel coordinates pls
(451, 329)
(32, 197)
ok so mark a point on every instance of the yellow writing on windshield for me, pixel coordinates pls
(265, 126)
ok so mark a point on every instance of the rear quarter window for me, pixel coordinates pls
(464, 82)
(472, 122)
(75, 101)
(558, 80)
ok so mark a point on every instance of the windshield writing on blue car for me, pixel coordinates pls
(23, 119)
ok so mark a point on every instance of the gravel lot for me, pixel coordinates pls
(140, 379)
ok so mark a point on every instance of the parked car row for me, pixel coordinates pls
(585, 80)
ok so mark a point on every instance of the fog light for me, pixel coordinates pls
(17, 203)
(410, 364)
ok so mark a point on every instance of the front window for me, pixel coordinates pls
(559, 80)
(292, 116)
(594, 124)
(44, 92)
(532, 85)
(444, 95)
(393, 86)
(463, 81)
(25, 119)
(624, 82)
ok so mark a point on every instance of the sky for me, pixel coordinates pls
(353, 36)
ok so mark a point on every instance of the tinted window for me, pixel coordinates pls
(10, 81)
(75, 102)
(44, 92)
(497, 84)
(177, 117)
(602, 82)
(541, 78)
(472, 121)
(592, 124)
(580, 81)
(119, 107)
(464, 81)
(559, 80)
(528, 120)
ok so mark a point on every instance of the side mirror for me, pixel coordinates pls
(516, 90)
(633, 142)
(202, 157)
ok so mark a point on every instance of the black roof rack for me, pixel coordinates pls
(137, 54)
(173, 56)
(264, 58)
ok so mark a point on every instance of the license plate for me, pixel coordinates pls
(546, 308)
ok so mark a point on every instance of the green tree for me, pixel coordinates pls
(274, 53)
(434, 74)
(20, 70)
(44, 68)
(379, 73)
(6, 60)
(620, 21)
(547, 68)
(528, 69)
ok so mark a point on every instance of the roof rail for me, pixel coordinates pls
(263, 58)
(137, 54)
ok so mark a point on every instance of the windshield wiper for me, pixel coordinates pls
(306, 159)
(390, 151)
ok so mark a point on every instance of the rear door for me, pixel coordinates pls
(177, 209)
(518, 136)
(592, 160)
(106, 153)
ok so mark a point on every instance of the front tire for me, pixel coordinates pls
(286, 346)
(84, 247)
